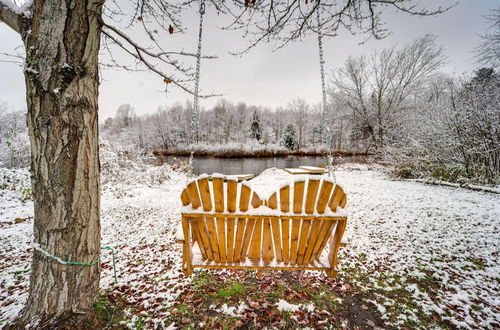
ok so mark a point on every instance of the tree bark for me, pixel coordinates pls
(62, 46)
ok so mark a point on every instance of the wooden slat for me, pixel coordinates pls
(256, 201)
(285, 199)
(312, 192)
(231, 207)
(336, 198)
(256, 216)
(294, 240)
(192, 189)
(221, 238)
(255, 246)
(205, 239)
(267, 241)
(324, 195)
(275, 224)
(186, 255)
(206, 199)
(240, 177)
(296, 171)
(246, 238)
(334, 246)
(197, 236)
(313, 169)
(238, 243)
(285, 228)
(244, 198)
(232, 186)
(304, 235)
(327, 237)
(218, 184)
(311, 242)
(230, 240)
(322, 236)
(185, 197)
(272, 202)
(298, 196)
(343, 201)
(212, 234)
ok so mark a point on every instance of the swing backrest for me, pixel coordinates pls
(219, 194)
(295, 235)
(305, 225)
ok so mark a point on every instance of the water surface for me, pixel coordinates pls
(255, 166)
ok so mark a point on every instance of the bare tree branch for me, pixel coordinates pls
(488, 51)
(9, 15)
(141, 54)
(289, 20)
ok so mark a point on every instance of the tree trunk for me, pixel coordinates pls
(62, 81)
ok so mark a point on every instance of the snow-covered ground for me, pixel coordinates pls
(439, 245)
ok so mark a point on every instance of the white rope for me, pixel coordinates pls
(327, 139)
(196, 111)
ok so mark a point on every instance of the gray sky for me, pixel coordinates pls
(264, 77)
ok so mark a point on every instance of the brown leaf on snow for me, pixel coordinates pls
(253, 304)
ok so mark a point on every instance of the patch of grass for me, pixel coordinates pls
(109, 314)
(183, 309)
(479, 263)
(139, 323)
(234, 290)
(201, 279)
(279, 292)
(477, 308)
(26, 192)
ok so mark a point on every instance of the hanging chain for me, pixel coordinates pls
(327, 139)
(196, 111)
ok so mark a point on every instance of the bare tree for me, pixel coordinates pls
(300, 110)
(124, 115)
(241, 121)
(376, 88)
(488, 51)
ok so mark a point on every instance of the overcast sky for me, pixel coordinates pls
(264, 77)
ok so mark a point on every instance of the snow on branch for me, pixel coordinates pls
(11, 13)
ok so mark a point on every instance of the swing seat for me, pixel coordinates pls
(227, 225)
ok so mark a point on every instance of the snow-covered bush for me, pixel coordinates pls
(14, 140)
(126, 167)
(453, 133)
(255, 128)
(290, 138)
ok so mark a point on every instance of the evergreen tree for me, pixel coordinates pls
(290, 137)
(255, 128)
